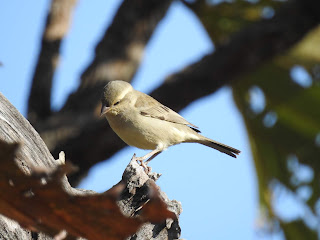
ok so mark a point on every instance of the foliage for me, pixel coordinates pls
(284, 127)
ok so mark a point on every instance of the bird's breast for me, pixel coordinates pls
(131, 131)
(147, 132)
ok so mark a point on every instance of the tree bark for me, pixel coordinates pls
(37, 194)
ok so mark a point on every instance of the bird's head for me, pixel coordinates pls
(113, 96)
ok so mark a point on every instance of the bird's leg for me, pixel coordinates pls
(149, 156)
(152, 157)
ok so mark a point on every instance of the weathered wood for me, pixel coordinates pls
(15, 128)
(38, 195)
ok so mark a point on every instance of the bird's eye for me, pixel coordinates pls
(116, 103)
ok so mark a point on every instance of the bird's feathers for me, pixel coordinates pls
(135, 116)
(220, 147)
(149, 107)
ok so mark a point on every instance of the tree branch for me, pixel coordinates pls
(57, 24)
(120, 51)
(117, 57)
(246, 51)
(39, 197)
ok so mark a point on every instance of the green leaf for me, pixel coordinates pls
(297, 230)
(296, 126)
(223, 19)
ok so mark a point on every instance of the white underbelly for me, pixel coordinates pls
(150, 133)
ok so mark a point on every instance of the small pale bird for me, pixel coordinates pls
(141, 121)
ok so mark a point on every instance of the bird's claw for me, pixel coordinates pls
(146, 168)
(143, 164)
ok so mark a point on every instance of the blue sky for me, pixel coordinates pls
(218, 193)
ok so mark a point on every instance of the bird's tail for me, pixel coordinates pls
(219, 146)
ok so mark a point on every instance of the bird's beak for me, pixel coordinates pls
(104, 110)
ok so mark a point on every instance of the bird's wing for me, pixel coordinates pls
(149, 107)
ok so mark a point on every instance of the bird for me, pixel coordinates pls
(143, 122)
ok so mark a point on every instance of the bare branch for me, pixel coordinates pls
(39, 197)
(78, 118)
(119, 53)
(57, 25)
(246, 51)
